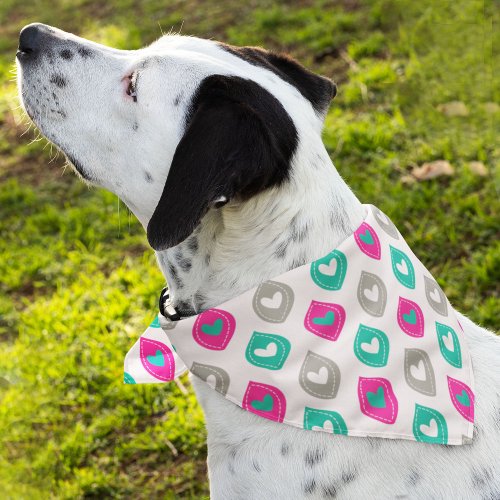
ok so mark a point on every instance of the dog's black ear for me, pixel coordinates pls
(238, 141)
(318, 89)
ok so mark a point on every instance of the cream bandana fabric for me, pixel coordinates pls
(361, 342)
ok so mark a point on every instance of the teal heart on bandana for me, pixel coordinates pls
(449, 344)
(266, 404)
(411, 317)
(329, 271)
(402, 268)
(371, 346)
(463, 398)
(267, 350)
(213, 329)
(376, 399)
(429, 426)
(156, 360)
(328, 319)
(366, 237)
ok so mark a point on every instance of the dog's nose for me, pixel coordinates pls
(31, 41)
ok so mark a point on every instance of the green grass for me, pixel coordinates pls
(79, 283)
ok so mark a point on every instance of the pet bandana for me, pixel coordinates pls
(361, 342)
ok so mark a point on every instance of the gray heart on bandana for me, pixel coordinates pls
(273, 301)
(215, 377)
(319, 376)
(372, 294)
(385, 223)
(435, 296)
(419, 373)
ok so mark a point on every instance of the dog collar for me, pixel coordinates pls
(361, 342)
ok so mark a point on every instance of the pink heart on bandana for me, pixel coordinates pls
(368, 241)
(410, 318)
(157, 359)
(214, 329)
(265, 400)
(325, 319)
(377, 399)
(462, 398)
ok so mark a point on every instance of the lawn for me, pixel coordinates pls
(78, 282)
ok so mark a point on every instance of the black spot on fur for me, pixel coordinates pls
(178, 253)
(174, 275)
(148, 176)
(248, 152)
(330, 491)
(185, 264)
(84, 52)
(285, 449)
(66, 54)
(481, 477)
(62, 113)
(280, 252)
(58, 80)
(349, 476)
(256, 466)
(192, 244)
(298, 230)
(207, 259)
(309, 486)
(135, 127)
(317, 89)
(314, 457)
(413, 478)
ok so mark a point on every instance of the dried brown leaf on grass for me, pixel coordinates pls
(478, 168)
(432, 170)
(453, 108)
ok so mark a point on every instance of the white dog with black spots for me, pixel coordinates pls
(217, 150)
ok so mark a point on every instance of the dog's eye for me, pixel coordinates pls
(132, 86)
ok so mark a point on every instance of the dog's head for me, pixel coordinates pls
(175, 129)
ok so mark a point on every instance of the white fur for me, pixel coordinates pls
(237, 244)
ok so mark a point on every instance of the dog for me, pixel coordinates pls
(251, 193)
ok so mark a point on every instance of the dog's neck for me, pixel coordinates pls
(242, 244)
